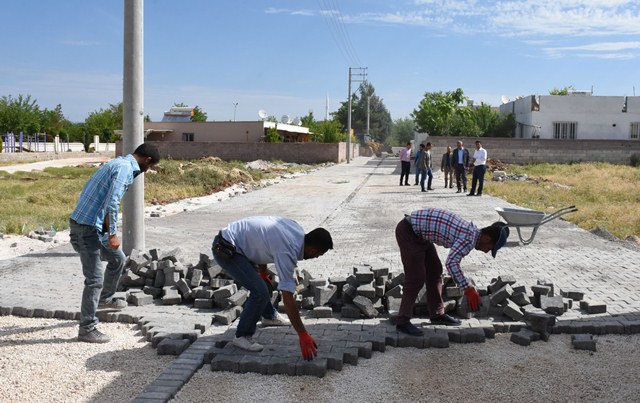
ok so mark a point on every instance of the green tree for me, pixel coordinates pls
(562, 91)
(380, 122)
(402, 131)
(436, 111)
(52, 121)
(19, 114)
(198, 115)
(103, 123)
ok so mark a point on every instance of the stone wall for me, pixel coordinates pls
(303, 153)
(522, 151)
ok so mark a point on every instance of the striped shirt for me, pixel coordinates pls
(446, 229)
(103, 192)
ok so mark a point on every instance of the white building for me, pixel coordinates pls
(578, 115)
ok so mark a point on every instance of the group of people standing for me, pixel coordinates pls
(456, 161)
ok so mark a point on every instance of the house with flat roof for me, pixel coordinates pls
(578, 115)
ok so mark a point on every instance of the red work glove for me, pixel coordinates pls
(473, 298)
(308, 346)
(265, 276)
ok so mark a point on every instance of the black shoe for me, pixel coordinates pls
(478, 194)
(415, 184)
(458, 191)
(445, 319)
(407, 184)
(423, 190)
(410, 329)
(430, 189)
(470, 194)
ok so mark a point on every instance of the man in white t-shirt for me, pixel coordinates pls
(479, 169)
(244, 248)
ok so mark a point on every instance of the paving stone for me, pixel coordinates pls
(396, 280)
(22, 312)
(366, 290)
(573, 294)
(172, 346)
(281, 366)
(631, 326)
(501, 295)
(540, 322)
(453, 292)
(335, 360)
(220, 282)
(155, 292)
(365, 306)
(547, 283)
(322, 312)
(436, 340)
(406, 340)
(593, 307)
(42, 313)
(552, 305)
(316, 367)
(520, 298)
(512, 310)
(253, 363)
(541, 290)
(202, 292)
(380, 271)
(203, 303)
(225, 363)
(350, 354)
(140, 299)
(196, 278)
(583, 342)
(238, 299)
(322, 295)
(524, 337)
(227, 316)
(222, 294)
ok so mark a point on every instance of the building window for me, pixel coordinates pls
(635, 131)
(187, 136)
(565, 130)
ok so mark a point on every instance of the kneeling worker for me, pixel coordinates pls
(417, 234)
(253, 242)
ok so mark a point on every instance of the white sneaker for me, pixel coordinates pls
(278, 320)
(247, 343)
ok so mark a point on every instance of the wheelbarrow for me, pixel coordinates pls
(521, 218)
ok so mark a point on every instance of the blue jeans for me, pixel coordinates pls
(425, 173)
(244, 273)
(99, 285)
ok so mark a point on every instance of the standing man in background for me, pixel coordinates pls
(405, 164)
(479, 169)
(461, 162)
(94, 234)
(416, 160)
(447, 168)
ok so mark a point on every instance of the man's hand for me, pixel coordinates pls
(114, 242)
(473, 298)
(308, 346)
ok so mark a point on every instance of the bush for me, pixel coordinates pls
(0, 144)
(272, 136)
(635, 160)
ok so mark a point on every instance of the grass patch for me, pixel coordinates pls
(46, 199)
(8, 163)
(606, 195)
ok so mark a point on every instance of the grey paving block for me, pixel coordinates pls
(335, 360)
(225, 363)
(316, 367)
(593, 307)
(365, 305)
(521, 299)
(238, 299)
(364, 277)
(524, 337)
(436, 340)
(540, 322)
(472, 335)
(322, 295)
(502, 294)
(203, 303)
(512, 310)
(253, 363)
(552, 305)
(281, 366)
(573, 294)
(42, 313)
(366, 290)
(227, 316)
(22, 312)
(349, 354)
(322, 312)
(583, 342)
(406, 340)
(631, 326)
(541, 290)
(140, 299)
(396, 280)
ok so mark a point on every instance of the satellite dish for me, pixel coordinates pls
(504, 99)
(262, 113)
(285, 119)
(297, 121)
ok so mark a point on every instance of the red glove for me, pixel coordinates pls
(473, 298)
(265, 276)
(308, 346)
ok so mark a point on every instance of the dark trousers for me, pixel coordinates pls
(406, 169)
(461, 177)
(422, 267)
(478, 178)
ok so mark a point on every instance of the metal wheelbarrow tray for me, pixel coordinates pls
(521, 218)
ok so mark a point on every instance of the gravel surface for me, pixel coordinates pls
(497, 370)
(41, 361)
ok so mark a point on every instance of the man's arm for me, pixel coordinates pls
(114, 241)
(118, 186)
(308, 345)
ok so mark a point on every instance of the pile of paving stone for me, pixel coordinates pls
(42, 235)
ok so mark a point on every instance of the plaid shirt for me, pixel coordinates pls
(449, 230)
(103, 192)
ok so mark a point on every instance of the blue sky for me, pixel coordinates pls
(287, 56)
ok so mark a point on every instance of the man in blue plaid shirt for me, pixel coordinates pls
(93, 233)
(417, 234)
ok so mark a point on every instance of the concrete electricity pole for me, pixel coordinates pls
(133, 122)
(362, 76)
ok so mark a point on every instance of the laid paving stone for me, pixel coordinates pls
(322, 312)
(172, 346)
(524, 337)
(593, 307)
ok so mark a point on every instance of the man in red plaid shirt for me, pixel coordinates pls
(417, 234)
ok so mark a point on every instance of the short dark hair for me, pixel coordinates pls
(320, 238)
(421, 145)
(147, 150)
(428, 144)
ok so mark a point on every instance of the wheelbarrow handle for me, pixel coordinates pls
(559, 213)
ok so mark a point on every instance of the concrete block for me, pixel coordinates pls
(317, 367)
(552, 305)
(573, 294)
(203, 303)
(394, 292)
(349, 354)
(393, 304)
(541, 290)
(462, 309)
(366, 306)
(524, 337)
(253, 363)
(137, 259)
(22, 312)
(227, 316)
(132, 280)
(521, 299)
(222, 294)
(323, 295)
(495, 286)
(220, 282)
(184, 288)
(436, 340)
(547, 283)
(406, 340)
(171, 299)
(453, 292)
(518, 289)
(472, 335)
(140, 299)
(540, 322)
(322, 312)
(583, 342)
(366, 290)
(507, 279)
(238, 299)
(501, 295)
(396, 281)
(155, 292)
(214, 270)
(592, 307)
(225, 363)
(172, 346)
(6, 311)
(380, 289)
(171, 277)
(159, 279)
(349, 290)
(512, 310)
(350, 311)
(196, 278)
(202, 292)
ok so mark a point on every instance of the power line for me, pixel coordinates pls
(333, 18)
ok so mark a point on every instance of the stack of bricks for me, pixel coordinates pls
(166, 277)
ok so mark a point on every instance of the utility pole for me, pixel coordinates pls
(360, 76)
(368, 114)
(133, 122)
